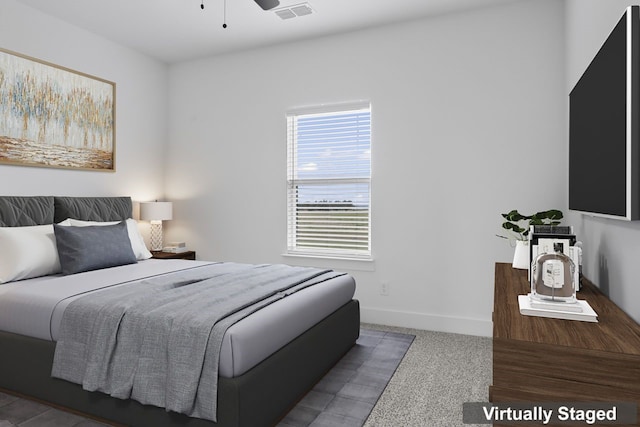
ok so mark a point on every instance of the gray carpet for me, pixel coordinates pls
(437, 374)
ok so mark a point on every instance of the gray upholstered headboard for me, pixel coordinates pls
(92, 208)
(17, 211)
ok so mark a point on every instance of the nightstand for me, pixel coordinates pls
(168, 255)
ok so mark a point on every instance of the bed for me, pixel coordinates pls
(262, 374)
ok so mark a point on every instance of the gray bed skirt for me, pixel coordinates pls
(260, 397)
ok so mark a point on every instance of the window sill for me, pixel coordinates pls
(327, 261)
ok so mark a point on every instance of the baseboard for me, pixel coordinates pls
(404, 319)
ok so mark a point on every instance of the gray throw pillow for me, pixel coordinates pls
(93, 247)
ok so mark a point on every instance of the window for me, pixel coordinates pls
(329, 181)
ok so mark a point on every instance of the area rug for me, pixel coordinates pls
(343, 398)
(348, 393)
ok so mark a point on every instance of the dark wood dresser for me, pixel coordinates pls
(538, 359)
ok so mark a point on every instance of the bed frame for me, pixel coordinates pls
(260, 397)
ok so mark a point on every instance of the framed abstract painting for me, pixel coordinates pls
(53, 116)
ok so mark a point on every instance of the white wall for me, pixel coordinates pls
(469, 121)
(141, 107)
(612, 248)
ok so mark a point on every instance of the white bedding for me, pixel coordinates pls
(34, 308)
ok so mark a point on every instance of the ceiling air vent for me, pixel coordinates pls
(294, 11)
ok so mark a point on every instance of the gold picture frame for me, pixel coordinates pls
(53, 116)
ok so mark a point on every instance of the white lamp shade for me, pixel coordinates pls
(156, 211)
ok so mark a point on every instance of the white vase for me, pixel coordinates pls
(521, 255)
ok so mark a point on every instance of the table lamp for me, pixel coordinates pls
(156, 212)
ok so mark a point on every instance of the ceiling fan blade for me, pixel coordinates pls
(267, 4)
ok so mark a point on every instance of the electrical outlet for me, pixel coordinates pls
(384, 289)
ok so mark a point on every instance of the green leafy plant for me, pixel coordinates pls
(518, 224)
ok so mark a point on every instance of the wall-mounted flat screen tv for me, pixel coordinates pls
(603, 127)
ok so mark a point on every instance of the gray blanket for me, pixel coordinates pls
(158, 341)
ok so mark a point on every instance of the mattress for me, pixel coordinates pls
(34, 308)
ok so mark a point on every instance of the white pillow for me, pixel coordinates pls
(27, 252)
(137, 242)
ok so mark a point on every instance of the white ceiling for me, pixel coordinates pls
(179, 30)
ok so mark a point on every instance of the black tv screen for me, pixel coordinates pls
(603, 127)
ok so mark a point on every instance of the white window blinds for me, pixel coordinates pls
(329, 181)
